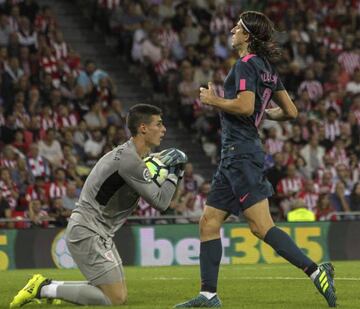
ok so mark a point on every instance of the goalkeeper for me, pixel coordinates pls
(110, 194)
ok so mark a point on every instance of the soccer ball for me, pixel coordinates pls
(60, 252)
(158, 170)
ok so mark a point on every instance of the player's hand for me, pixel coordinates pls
(177, 170)
(173, 157)
(207, 95)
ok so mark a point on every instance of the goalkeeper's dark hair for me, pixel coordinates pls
(141, 113)
(261, 30)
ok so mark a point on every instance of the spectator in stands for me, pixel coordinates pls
(59, 213)
(189, 92)
(8, 188)
(5, 211)
(340, 198)
(191, 181)
(38, 216)
(300, 212)
(353, 86)
(204, 73)
(37, 165)
(93, 147)
(71, 197)
(95, 119)
(91, 76)
(192, 205)
(57, 187)
(313, 154)
(355, 198)
(325, 209)
(50, 149)
(288, 187)
(5, 30)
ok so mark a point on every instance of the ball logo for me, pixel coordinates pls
(147, 175)
(60, 252)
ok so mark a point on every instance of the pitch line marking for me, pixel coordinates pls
(252, 278)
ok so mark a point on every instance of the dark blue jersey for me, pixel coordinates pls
(240, 133)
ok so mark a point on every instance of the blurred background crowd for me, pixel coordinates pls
(59, 113)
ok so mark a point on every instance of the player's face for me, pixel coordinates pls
(239, 36)
(155, 131)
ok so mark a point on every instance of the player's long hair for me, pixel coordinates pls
(261, 30)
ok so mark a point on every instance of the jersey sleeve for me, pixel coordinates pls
(245, 77)
(135, 173)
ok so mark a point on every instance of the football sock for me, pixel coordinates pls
(69, 282)
(314, 274)
(81, 294)
(210, 257)
(285, 247)
(208, 295)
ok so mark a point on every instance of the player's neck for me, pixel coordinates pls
(141, 147)
(243, 51)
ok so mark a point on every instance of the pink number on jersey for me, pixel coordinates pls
(264, 101)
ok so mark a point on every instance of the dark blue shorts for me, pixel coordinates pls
(239, 183)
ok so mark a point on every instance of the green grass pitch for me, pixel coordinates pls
(240, 286)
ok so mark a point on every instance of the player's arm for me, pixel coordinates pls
(135, 173)
(286, 110)
(245, 80)
(243, 105)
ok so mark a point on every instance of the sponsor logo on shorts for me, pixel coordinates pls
(243, 198)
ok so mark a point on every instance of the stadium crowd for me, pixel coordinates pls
(60, 113)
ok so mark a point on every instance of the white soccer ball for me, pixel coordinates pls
(158, 170)
(60, 252)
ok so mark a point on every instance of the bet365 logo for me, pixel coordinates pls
(240, 246)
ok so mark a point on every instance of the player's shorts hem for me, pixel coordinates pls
(108, 276)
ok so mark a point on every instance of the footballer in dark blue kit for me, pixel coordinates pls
(239, 184)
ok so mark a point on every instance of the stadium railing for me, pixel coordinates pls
(350, 215)
(353, 215)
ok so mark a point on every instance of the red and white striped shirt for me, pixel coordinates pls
(145, 209)
(313, 88)
(38, 166)
(273, 145)
(6, 193)
(168, 38)
(53, 190)
(220, 24)
(332, 130)
(289, 185)
(14, 24)
(310, 199)
(47, 123)
(109, 4)
(61, 50)
(32, 193)
(339, 156)
(69, 121)
(165, 65)
(349, 61)
(8, 163)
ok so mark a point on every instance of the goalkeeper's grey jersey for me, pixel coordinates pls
(112, 190)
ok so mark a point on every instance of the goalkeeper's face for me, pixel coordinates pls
(154, 131)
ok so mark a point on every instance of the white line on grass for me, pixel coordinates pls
(252, 278)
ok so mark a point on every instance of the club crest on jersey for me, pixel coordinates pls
(147, 175)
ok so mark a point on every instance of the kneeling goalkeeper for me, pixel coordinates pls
(110, 194)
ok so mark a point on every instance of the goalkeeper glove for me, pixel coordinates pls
(173, 157)
(176, 173)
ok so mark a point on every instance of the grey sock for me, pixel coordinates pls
(69, 282)
(82, 294)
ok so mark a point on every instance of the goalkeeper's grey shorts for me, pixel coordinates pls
(96, 257)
